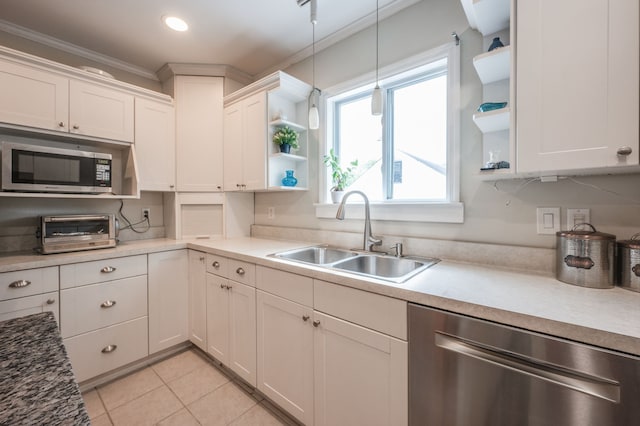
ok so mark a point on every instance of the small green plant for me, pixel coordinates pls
(286, 135)
(341, 177)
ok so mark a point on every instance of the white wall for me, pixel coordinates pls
(495, 214)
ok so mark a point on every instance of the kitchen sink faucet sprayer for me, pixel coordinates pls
(369, 240)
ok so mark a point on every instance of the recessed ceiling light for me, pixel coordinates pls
(175, 23)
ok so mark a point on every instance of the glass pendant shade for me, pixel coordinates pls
(314, 117)
(376, 101)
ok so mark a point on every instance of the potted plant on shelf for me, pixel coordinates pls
(341, 177)
(287, 138)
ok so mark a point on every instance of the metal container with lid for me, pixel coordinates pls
(585, 257)
(629, 263)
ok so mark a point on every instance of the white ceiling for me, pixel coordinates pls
(255, 36)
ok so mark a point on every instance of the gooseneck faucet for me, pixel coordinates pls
(369, 240)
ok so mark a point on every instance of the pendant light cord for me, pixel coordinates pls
(313, 55)
(377, 42)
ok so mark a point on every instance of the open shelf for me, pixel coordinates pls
(493, 121)
(281, 123)
(287, 188)
(292, 157)
(493, 66)
(487, 16)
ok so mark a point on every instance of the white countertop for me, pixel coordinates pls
(609, 318)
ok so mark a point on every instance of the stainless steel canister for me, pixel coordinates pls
(585, 258)
(629, 263)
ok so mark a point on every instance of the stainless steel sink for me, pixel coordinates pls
(380, 266)
(385, 267)
(317, 255)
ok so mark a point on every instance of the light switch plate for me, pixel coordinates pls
(548, 222)
(576, 216)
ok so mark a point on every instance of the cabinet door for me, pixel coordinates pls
(168, 299)
(155, 145)
(577, 84)
(100, 112)
(198, 299)
(242, 331)
(233, 140)
(218, 318)
(255, 144)
(199, 135)
(23, 306)
(33, 98)
(360, 376)
(285, 354)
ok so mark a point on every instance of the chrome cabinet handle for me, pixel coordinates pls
(109, 348)
(624, 151)
(19, 284)
(316, 323)
(76, 127)
(219, 187)
(108, 269)
(216, 264)
(222, 286)
(305, 318)
(201, 258)
(61, 124)
(240, 271)
(51, 301)
(108, 303)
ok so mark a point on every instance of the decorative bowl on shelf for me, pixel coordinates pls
(490, 106)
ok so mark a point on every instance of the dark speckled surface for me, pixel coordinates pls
(37, 386)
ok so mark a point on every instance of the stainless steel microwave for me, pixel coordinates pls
(34, 168)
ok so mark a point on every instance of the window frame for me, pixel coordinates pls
(450, 210)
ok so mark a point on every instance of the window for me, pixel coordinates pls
(409, 155)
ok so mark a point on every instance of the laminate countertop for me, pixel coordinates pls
(37, 385)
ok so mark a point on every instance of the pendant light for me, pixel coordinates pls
(376, 96)
(314, 115)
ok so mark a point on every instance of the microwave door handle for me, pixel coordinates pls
(77, 218)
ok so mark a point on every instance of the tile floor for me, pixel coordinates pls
(186, 389)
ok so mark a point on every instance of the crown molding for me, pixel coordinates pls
(73, 49)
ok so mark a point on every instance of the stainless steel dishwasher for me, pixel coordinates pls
(466, 372)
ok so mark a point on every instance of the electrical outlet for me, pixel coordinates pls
(548, 220)
(271, 212)
(146, 214)
(577, 216)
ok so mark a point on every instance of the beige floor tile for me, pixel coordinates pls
(93, 403)
(283, 417)
(222, 406)
(102, 420)
(149, 409)
(198, 383)
(181, 418)
(178, 365)
(129, 388)
(257, 416)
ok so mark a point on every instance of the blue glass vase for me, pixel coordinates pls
(289, 180)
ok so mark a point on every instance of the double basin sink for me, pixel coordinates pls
(369, 264)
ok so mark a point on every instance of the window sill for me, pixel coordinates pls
(399, 212)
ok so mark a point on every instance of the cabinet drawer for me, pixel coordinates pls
(78, 274)
(218, 265)
(28, 282)
(23, 306)
(95, 306)
(242, 272)
(290, 286)
(381, 313)
(103, 350)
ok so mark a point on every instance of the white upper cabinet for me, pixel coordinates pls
(100, 112)
(33, 98)
(199, 133)
(577, 85)
(155, 145)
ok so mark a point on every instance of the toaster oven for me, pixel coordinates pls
(60, 234)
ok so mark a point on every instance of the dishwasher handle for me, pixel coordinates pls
(591, 385)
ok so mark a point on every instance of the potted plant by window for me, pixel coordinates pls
(287, 138)
(341, 177)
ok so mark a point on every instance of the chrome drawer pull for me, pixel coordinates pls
(216, 264)
(108, 269)
(305, 318)
(109, 349)
(240, 271)
(19, 284)
(51, 301)
(108, 304)
(316, 323)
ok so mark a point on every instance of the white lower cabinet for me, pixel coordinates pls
(23, 306)
(27, 292)
(198, 299)
(231, 324)
(168, 299)
(285, 354)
